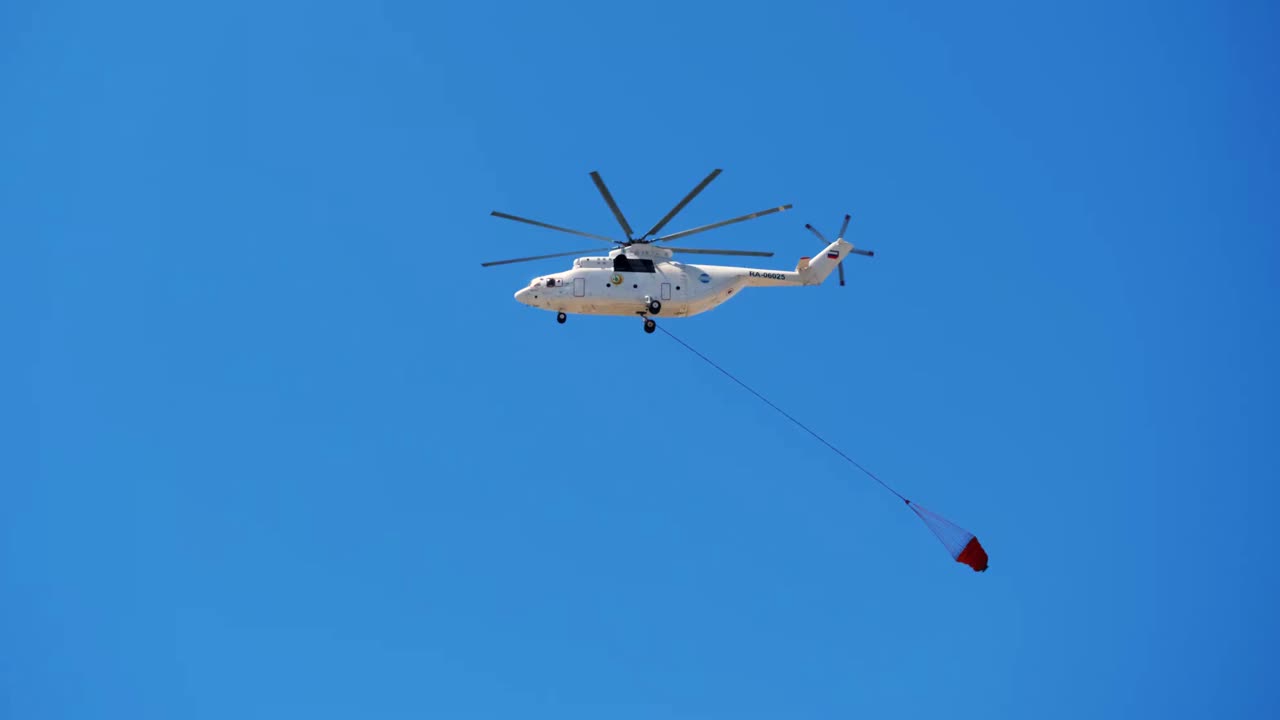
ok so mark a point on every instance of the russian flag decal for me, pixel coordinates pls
(834, 254)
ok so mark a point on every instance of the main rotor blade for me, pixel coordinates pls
(713, 226)
(537, 257)
(700, 251)
(549, 226)
(608, 198)
(692, 194)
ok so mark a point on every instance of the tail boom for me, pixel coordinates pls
(809, 271)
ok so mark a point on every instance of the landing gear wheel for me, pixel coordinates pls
(561, 317)
(655, 307)
(649, 325)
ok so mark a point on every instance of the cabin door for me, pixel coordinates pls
(579, 287)
(666, 291)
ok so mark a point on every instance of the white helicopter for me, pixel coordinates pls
(639, 277)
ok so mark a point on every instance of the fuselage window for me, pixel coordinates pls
(622, 263)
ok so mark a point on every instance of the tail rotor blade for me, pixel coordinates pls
(855, 251)
(722, 223)
(841, 267)
(613, 205)
(814, 230)
(680, 206)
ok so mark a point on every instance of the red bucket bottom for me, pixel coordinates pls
(973, 555)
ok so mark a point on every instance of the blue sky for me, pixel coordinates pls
(275, 444)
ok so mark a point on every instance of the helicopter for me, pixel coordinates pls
(640, 277)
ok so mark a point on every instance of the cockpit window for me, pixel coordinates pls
(551, 282)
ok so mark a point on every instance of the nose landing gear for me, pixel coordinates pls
(650, 325)
(561, 317)
(654, 306)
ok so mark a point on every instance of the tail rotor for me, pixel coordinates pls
(843, 229)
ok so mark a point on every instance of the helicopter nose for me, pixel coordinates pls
(522, 296)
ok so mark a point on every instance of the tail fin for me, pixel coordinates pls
(817, 269)
(832, 256)
(809, 271)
